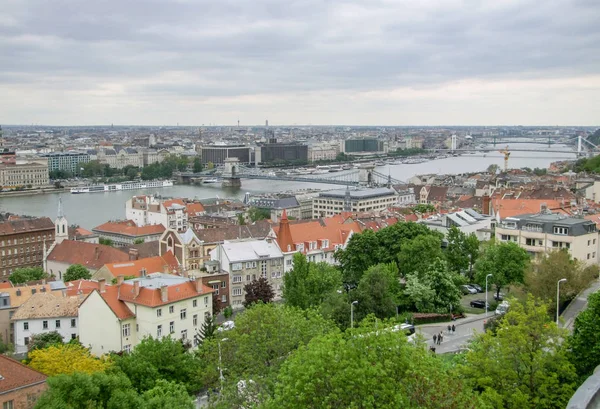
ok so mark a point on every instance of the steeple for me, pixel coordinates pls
(284, 237)
(61, 224)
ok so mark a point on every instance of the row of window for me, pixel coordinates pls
(40, 237)
(9, 261)
(183, 312)
(45, 324)
(27, 339)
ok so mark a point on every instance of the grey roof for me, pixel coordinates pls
(274, 202)
(474, 214)
(547, 222)
(57, 285)
(249, 250)
(359, 194)
(459, 221)
(157, 280)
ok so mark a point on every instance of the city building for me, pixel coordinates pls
(126, 232)
(211, 238)
(467, 221)
(11, 298)
(273, 152)
(277, 204)
(186, 248)
(22, 243)
(248, 260)
(546, 231)
(121, 157)
(433, 195)
(142, 267)
(30, 175)
(148, 210)
(43, 313)
(216, 154)
(363, 145)
(213, 277)
(406, 195)
(335, 202)
(7, 156)
(157, 305)
(20, 386)
(68, 161)
(323, 151)
(90, 255)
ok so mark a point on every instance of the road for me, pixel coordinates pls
(577, 305)
(452, 342)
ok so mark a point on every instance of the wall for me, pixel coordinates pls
(36, 327)
(101, 338)
(24, 398)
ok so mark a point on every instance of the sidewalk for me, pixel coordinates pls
(578, 304)
(469, 318)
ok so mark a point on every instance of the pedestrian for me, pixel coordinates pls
(449, 328)
(440, 338)
(453, 328)
(434, 339)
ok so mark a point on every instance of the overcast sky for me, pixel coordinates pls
(387, 62)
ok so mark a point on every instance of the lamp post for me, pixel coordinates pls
(221, 378)
(486, 294)
(352, 313)
(558, 297)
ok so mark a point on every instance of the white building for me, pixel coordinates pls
(248, 260)
(145, 210)
(117, 318)
(334, 202)
(467, 221)
(42, 313)
(323, 151)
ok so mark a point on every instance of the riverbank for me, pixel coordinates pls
(33, 192)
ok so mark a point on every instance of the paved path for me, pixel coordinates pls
(452, 342)
(577, 305)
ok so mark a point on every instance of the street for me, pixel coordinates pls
(452, 342)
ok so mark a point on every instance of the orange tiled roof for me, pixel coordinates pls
(151, 265)
(5, 285)
(118, 307)
(594, 217)
(194, 209)
(89, 255)
(315, 230)
(15, 375)
(77, 287)
(22, 225)
(129, 228)
(151, 297)
(19, 295)
(515, 207)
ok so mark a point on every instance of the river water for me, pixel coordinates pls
(93, 209)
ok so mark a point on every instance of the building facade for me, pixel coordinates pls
(217, 154)
(11, 299)
(67, 161)
(22, 243)
(334, 202)
(24, 175)
(149, 210)
(20, 386)
(282, 152)
(363, 145)
(544, 232)
(126, 232)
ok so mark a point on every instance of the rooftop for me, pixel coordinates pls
(251, 250)
(24, 225)
(359, 194)
(14, 375)
(129, 228)
(46, 305)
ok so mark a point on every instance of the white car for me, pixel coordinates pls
(226, 326)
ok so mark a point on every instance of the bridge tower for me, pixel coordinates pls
(453, 146)
(365, 175)
(231, 173)
(579, 145)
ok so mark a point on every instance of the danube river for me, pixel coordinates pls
(92, 209)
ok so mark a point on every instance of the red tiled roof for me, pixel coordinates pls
(22, 225)
(315, 230)
(118, 307)
(151, 265)
(151, 297)
(515, 207)
(284, 237)
(15, 375)
(5, 285)
(89, 255)
(77, 287)
(129, 228)
(194, 209)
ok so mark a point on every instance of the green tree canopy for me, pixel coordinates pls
(197, 166)
(258, 213)
(462, 250)
(76, 272)
(167, 395)
(585, 342)
(373, 369)
(506, 261)
(44, 340)
(524, 364)
(423, 208)
(418, 254)
(435, 290)
(258, 291)
(378, 292)
(26, 274)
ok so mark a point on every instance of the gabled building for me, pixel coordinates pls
(127, 232)
(186, 247)
(157, 305)
(167, 264)
(11, 298)
(92, 256)
(20, 386)
(149, 210)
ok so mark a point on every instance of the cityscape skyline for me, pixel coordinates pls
(303, 62)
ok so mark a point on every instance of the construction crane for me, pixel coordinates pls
(506, 154)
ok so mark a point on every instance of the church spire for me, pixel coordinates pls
(284, 236)
(60, 213)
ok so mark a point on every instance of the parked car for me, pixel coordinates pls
(477, 303)
(467, 289)
(499, 297)
(502, 308)
(226, 326)
(477, 287)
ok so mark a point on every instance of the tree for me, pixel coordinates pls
(258, 290)
(228, 312)
(131, 172)
(257, 213)
(506, 261)
(125, 278)
(96, 390)
(207, 331)
(493, 169)
(197, 165)
(167, 395)
(217, 305)
(262, 339)
(294, 283)
(378, 292)
(376, 369)
(524, 364)
(584, 343)
(541, 277)
(423, 208)
(307, 284)
(462, 251)
(418, 254)
(76, 272)
(139, 241)
(154, 359)
(65, 359)
(26, 274)
(44, 340)
(92, 169)
(435, 290)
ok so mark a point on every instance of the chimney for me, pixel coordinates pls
(136, 288)
(102, 284)
(133, 254)
(164, 294)
(199, 285)
(486, 202)
(120, 279)
(96, 253)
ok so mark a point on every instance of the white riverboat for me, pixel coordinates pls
(115, 187)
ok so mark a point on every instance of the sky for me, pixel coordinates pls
(319, 62)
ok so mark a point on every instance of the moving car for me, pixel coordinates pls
(477, 303)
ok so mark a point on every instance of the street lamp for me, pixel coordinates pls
(352, 313)
(486, 294)
(221, 378)
(558, 297)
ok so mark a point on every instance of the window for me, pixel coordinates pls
(237, 291)
(195, 320)
(561, 230)
(223, 298)
(126, 330)
(127, 348)
(26, 340)
(183, 314)
(8, 405)
(159, 312)
(194, 303)
(184, 335)
(73, 336)
(247, 277)
(273, 274)
(289, 262)
(236, 266)
(159, 331)
(172, 327)
(171, 309)
(588, 256)
(57, 324)
(25, 326)
(216, 288)
(238, 279)
(45, 324)
(589, 242)
(205, 301)
(594, 241)
(223, 284)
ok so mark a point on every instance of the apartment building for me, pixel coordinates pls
(334, 202)
(11, 298)
(157, 305)
(185, 247)
(22, 243)
(248, 260)
(21, 386)
(126, 232)
(467, 221)
(121, 157)
(149, 210)
(544, 232)
(67, 161)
